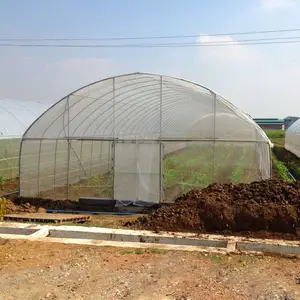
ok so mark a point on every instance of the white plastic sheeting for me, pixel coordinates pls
(15, 118)
(292, 138)
(192, 136)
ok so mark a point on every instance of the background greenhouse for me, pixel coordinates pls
(16, 117)
(140, 138)
(292, 138)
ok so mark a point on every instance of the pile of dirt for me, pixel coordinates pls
(31, 205)
(270, 206)
(12, 208)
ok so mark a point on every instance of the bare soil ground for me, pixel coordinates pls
(36, 271)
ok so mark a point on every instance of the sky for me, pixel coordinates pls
(262, 80)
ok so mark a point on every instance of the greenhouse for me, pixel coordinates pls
(16, 116)
(140, 138)
(292, 138)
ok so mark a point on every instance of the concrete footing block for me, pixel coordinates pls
(103, 237)
(284, 249)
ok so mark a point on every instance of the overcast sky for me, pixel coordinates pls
(263, 80)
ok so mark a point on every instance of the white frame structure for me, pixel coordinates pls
(74, 140)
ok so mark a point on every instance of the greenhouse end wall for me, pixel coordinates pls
(140, 138)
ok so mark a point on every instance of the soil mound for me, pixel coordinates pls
(270, 206)
(12, 208)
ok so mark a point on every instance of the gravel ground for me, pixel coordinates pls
(32, 270)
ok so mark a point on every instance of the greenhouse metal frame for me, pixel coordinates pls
(140, 137)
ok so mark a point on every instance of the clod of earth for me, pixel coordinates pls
(268, 208)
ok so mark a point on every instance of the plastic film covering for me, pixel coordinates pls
(292, 138)
(15, 116)
(140, 138)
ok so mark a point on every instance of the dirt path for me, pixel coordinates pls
(54, 271)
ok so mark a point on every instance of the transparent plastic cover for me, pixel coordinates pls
(140, 138)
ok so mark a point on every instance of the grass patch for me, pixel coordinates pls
(139, 251)
(126, 252)
(158, 251)
(276, 136)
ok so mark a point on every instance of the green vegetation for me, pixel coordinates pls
(280, 169)
(126, 252)
(199, 166)
(158, 251)
(276, 136)
(138, 251)
(189, 167)
(291, 161)
(9, 157)
(282, 160)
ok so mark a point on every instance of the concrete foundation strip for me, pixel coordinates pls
(97, 236)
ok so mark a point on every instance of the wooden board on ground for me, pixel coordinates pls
(47, 218)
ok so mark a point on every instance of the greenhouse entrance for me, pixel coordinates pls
(137, 172)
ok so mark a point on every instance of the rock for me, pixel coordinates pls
(41, 210)
(3, 241)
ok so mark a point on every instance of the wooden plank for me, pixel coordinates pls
(44, 217)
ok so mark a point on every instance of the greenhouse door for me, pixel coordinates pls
(137, 176)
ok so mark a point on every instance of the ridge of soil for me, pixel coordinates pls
(268, 208)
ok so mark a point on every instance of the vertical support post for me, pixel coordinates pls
(20, 164)
(91, 158)
(11, 159)
(160, 110)
(214, 135)
(80, 163)
(100, 158)
(69, 148)
(161, 152)
(54, 171)
(161, 172)
(114, 103)
(137, 173)
(39, 166)
(113, 149)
